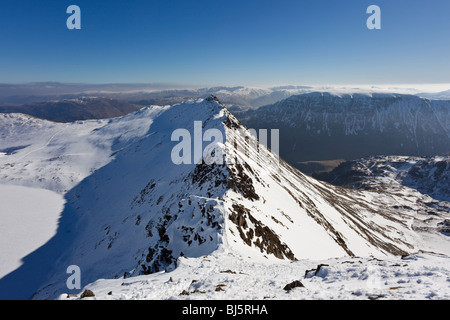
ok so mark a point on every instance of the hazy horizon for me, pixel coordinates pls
(155, 86)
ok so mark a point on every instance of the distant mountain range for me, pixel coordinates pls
(165, 94)
(142, 94)
(70, 110)
(324, 126)
(314, 127)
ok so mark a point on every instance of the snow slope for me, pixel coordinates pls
(56, 156)
(137, 213)
(229, 277)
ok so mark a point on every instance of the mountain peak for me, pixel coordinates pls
(212, 98)
(141, 212)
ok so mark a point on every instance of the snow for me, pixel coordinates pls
(28, 219)
(57, 156)
(129, 210)
(420, 276)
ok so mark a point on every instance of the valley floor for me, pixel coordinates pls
(225, 276)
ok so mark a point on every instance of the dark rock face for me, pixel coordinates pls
(270, 242)
(240, 182)
(293, 285)
(87, 294)
(323, 126)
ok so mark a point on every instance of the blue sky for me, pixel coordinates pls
(225, 42)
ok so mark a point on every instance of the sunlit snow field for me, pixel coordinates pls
(229, 276)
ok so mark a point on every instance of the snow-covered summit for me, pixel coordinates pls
(138, 212)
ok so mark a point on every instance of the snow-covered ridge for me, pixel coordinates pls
(138, 213)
